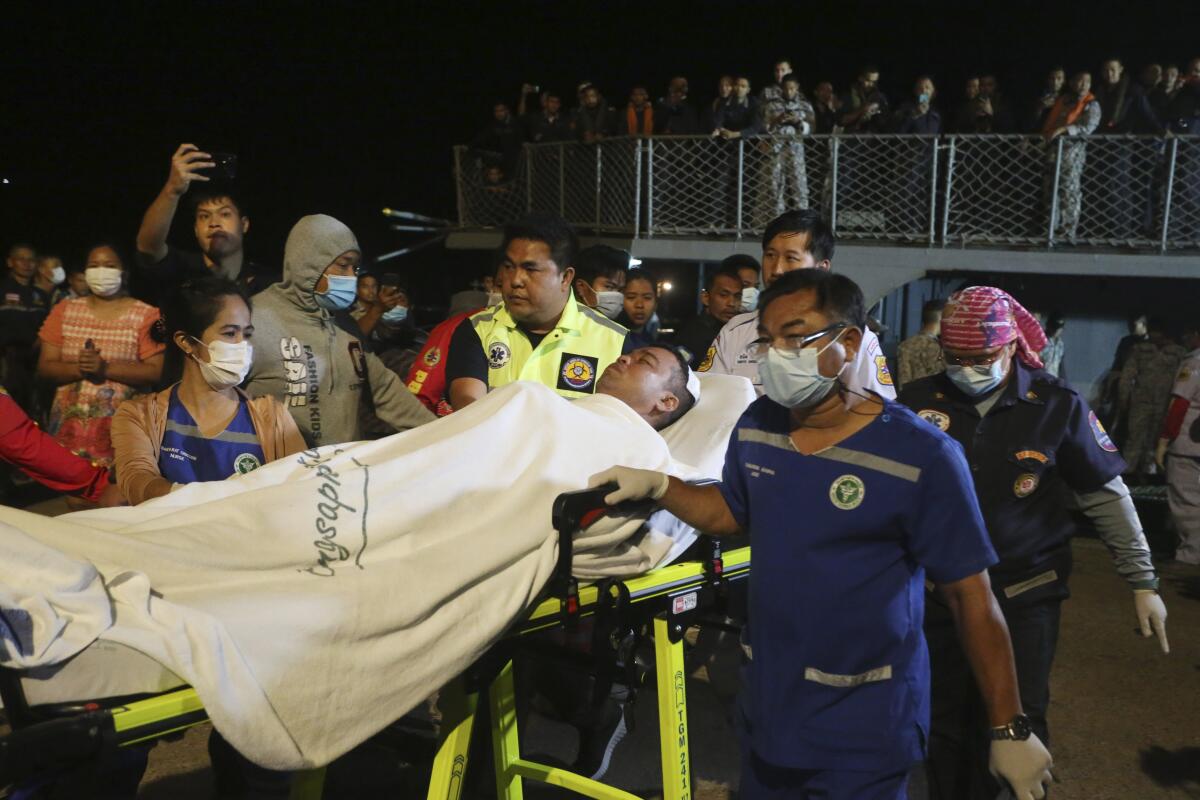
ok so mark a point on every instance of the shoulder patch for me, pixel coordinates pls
(882, 373)
(1102, 438)
(498, 355)
(707, 363)
(432, 357)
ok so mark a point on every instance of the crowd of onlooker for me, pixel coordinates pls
(1109, 99)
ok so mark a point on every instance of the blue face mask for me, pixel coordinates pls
(395, 314)
(976, 380)
(340, 293)
(794, 380)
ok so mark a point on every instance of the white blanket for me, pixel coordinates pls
(317, 599)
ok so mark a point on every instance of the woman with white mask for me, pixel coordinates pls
(99, 352)
(202, 427)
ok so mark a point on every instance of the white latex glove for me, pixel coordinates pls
(633, 484)
(1151, 614)
(1024, 765)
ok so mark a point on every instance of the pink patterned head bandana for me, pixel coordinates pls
(983, 317)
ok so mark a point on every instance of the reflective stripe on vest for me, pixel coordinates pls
(569, 359)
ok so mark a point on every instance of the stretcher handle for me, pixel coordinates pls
(570, 509)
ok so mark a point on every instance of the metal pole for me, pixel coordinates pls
(833, 178)
(741, 166)
(528, 178)
(1170, 191)
(649, 188)
(1054, 193)
(458, 186)
(933, 187)
(949, 189)
(599, 160)
(637, 186)
(562, 181)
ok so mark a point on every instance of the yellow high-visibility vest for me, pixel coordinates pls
(569, 359)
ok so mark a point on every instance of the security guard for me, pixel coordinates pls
(850, 510)
(540, 332)
(796, 240)
(1036, 451)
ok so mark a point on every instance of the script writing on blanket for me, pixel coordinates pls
(333, 512)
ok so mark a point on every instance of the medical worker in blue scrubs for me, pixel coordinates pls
(850, 511)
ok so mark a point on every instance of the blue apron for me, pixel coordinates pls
(187, 456)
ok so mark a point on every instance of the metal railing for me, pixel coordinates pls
(1131, 192)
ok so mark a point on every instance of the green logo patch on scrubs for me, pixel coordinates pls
(847, 492)
(246, 462)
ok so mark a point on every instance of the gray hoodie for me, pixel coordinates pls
(310, 362)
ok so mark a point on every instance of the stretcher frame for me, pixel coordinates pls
(64, 736)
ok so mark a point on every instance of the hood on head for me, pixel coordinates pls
(313, 244)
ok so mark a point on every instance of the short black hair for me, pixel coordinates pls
(728, 272)
(837, 296)
(741, 261)
(790, 77)
(642, 274)
(810, 221)
(547, 227)
(199, 194)
(22, 245)
(600, 261)
(867, 69)
(678, 385)
(931, 310)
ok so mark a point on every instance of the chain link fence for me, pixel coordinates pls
(1097, 191)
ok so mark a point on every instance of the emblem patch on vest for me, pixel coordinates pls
(1102, 438)
(432, 358)
(577, 373)
(498, 355)
(935, 418)
(244, 463)
(847, 492)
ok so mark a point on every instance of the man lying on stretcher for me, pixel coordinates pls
(363, 573)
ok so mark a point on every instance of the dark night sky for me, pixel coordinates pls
(349, 110)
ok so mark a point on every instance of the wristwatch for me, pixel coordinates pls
(1018, 730)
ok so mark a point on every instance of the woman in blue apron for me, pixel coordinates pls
(204, 428)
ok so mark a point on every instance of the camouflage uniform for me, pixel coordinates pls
(784, 182)
(1074, 154)
(1146, 381)
(919, 356)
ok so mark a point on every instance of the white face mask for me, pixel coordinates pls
(610, 303)
(103, 281)
(229, 365)
(58, 275)
(794, 380)
(749, 298)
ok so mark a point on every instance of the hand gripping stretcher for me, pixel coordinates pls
(73, 738)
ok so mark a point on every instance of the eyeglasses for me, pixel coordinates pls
(793, 343)
(985, 360)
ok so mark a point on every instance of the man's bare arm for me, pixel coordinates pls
(156, 223)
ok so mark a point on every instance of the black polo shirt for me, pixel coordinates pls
(1037, 443)
(156, 280)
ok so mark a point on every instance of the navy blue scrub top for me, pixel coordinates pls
(843, 540)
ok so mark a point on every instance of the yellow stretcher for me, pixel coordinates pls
(64, 737)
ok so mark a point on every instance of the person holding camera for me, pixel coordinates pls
(220, 225)
(787, 116)
(864, 107)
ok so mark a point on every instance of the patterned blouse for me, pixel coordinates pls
(81, 413)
